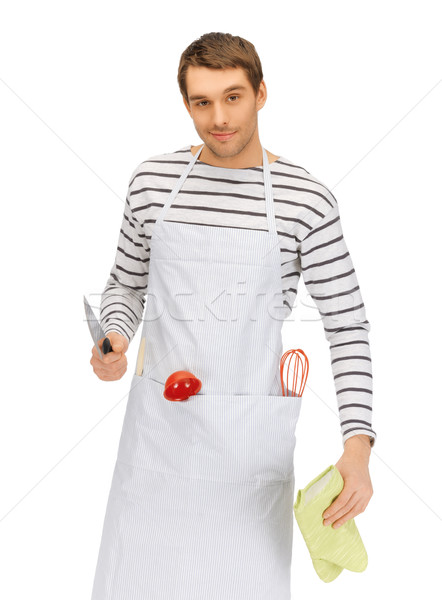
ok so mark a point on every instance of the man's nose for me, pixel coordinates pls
(220, 117)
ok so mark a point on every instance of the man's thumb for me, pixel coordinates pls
(116, 340)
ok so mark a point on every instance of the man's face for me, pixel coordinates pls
(223, 101)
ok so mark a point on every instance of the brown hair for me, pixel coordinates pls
(220, 51)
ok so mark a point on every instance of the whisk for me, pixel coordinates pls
(300, 366)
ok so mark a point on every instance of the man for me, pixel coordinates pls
(220, 78)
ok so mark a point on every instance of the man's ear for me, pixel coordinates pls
(261, 96)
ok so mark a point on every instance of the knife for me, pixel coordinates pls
(97, 332)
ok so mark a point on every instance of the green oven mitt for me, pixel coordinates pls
(331, 550)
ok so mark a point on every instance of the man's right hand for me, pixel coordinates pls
(113, 365)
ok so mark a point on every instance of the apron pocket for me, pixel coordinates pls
(237, 439)
(247, 439)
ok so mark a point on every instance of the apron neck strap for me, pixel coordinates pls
(270, 209)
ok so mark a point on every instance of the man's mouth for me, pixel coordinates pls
(223, 136)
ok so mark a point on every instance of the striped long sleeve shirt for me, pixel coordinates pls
(311, 242)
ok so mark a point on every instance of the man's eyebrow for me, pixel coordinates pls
(229, 89)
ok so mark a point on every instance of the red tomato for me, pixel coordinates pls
(180, 385)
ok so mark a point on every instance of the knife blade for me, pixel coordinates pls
(96, 330)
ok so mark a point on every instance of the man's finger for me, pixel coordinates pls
(355, 510)
(112, 357)
(107, 358)
(339, 504)
(339, 513)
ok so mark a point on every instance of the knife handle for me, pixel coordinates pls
(106, 347)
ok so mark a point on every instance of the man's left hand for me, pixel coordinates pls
(358, 489)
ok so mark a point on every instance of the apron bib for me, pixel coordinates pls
(201, 499)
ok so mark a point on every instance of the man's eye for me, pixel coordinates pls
(202, 101)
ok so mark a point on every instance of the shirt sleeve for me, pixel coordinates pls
(330, 279)
(123, 298)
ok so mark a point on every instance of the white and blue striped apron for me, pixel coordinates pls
(201, 500)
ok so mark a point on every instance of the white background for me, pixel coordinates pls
(88, 90)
